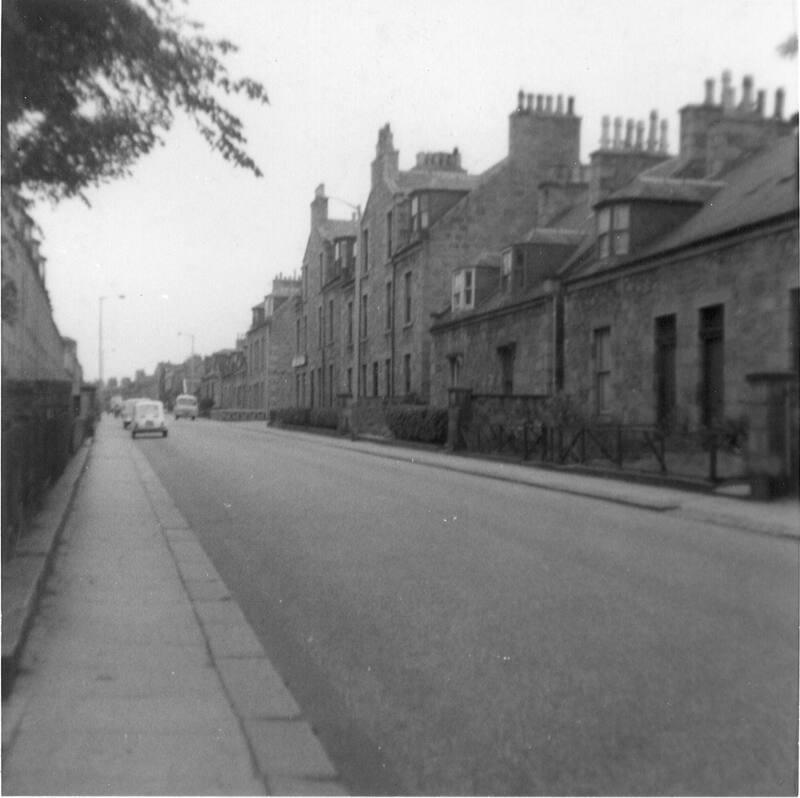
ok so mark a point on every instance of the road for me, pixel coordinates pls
(453, 634)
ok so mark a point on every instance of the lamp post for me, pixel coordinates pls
(191, 361)
(356, 292)
(100, 337)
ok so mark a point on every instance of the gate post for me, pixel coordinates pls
(772, 435)
(458, 405)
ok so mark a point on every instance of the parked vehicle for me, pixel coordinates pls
(127, 412)
(148, 416)
(186, 406)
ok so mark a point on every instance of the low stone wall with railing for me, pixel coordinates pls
(238, 414)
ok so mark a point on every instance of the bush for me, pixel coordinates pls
(327, 417)
(424, 424)
(205, 405)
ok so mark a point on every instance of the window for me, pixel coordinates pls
(712, 324)
(350, 381)
(506, 355)
(388, 366)
(613, 230)
(602, 369)
(363, 386)
(330, 321)
(321, 266)
(463, 289)
(375, 378)
(518, 276)
(305, 333)
(364, 327)
(330, 385)
(389, 234)
(419, 213)
(407, 288)
(665, 349)
(389, 305)
(455, 370)
(320, 337)
(407, 374)
(350, 323)
(311, 390)
(365, 248)
(297, 335)
(507, 262)
(337, 255)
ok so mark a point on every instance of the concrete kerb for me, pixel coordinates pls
(284, 748)
(25, 575)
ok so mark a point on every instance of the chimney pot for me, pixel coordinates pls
(747, 93)
(779, 97)
(539, 103)
(651, 134)
(520, 100)
(709, 99)
(617, 132)
(662, 144)
(530, 102)
(606, 126)
(727, 92)
(629, 134)
(560, 105)
(570, 106)
(761, 102)
(319, 191)
(548, 104)
(640, 135)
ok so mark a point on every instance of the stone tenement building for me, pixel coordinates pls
(649, 287)
(659, 284)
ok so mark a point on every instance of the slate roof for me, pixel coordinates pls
(762, 187)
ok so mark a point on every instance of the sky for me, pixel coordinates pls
(192, 243)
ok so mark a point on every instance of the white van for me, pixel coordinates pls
(148, 416)
(186, 406)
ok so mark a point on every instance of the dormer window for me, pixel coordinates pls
(613, 230)
(508, 260)
(419, 212)
(464, 290)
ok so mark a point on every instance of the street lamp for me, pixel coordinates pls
(100, 337)
(191, 362)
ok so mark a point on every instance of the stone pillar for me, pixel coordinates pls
(458, 406)
(772, 436)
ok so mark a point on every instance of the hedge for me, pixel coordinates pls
(327, 417)
(424, 424)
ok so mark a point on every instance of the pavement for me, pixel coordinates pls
(129, 669)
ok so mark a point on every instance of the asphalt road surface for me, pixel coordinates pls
(453, 634)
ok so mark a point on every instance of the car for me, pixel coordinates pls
(185, 406)
(127, 412)
(148, 416)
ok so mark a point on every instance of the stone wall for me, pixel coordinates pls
(752, 277)
(529, 327)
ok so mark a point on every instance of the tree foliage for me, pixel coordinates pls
(89, 86)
